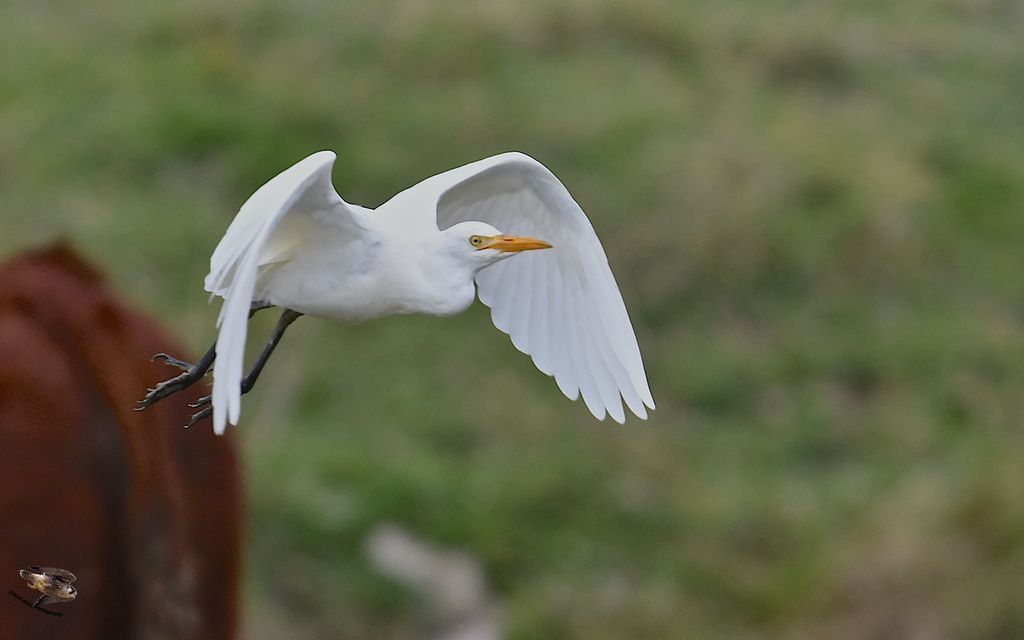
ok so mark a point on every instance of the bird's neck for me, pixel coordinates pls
(443, 286)
(457, 293)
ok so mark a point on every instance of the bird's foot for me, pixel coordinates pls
(205, 409)
(166, 388)
(191, 373)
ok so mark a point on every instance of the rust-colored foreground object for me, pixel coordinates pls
(145, 513)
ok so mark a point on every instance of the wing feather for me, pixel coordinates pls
(540, 334)
(565, 376)
(520, 329)
(607, 328)
(561, 306)
(577, 351)
(597, 362)
(301, 198)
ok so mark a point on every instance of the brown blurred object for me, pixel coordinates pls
(146, 513)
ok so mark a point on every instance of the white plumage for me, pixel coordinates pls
(296, 244)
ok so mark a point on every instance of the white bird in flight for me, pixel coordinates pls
(297, 245)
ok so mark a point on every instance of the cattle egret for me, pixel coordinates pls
(297, 245)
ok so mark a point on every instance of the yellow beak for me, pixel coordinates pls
(513, 243)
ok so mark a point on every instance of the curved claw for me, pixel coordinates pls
(199, 415)
(172, 361)
(201, 402)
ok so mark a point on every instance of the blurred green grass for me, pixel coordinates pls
(814, 213)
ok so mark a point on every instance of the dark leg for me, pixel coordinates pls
(203, 404)
(192, 372)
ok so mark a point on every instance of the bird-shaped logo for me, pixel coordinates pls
(54, 584)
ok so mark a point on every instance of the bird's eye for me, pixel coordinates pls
(475, 240)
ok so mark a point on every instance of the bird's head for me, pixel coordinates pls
(481, 244)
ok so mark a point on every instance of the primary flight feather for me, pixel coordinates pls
(504, 224)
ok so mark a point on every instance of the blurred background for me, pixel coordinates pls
(813, 210)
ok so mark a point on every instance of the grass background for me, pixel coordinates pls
(814, 211)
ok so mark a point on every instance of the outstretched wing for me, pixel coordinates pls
(270, 223)
(58, 574)
(561, 306)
